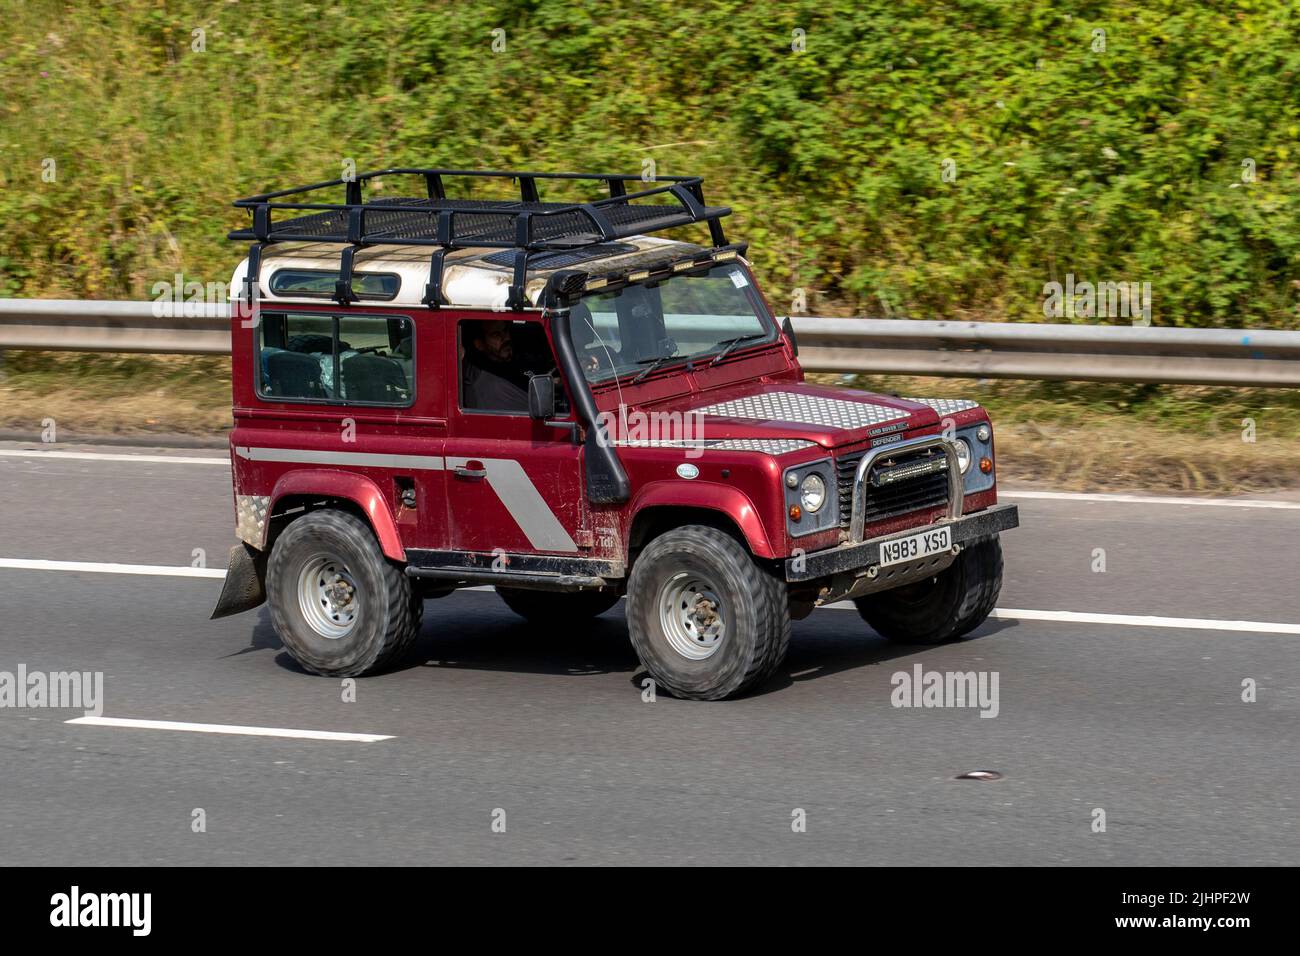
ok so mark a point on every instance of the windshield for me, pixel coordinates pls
(648, 326)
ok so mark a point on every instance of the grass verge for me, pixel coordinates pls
(1093, 436)
(120, 395)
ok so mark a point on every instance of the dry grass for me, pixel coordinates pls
(1070, 436)
(1113, 455)
(1089, 436)
(89, 395)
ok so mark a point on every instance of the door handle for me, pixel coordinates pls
(471, 469)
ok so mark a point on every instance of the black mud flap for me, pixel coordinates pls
(244, 588)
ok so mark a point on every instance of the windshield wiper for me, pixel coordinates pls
(729, 344)
(654, 364)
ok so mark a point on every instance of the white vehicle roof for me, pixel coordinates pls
(472, 278)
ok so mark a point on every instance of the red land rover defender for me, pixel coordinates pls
(439, 391)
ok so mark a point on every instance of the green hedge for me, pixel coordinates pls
(1122, 164)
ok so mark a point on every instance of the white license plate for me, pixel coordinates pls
(916, 546)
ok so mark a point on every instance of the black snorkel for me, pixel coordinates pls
(607, 482)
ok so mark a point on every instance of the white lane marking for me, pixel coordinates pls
(1152, 500)
(101, 456)
(1139, 620)
(1126, 620)
(1090, 618)
(1001, 614)
(228, 729)
(159, 570)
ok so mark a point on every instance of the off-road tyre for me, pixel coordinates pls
(388, 612)
(755, 614)
(941, 608)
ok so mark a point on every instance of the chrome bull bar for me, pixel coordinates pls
(955, 483)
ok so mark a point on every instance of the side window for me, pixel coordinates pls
(318, 282)
(294, 352)
(376, 360)
(339, 359)
(497, 358)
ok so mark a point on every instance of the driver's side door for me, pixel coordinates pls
(514, 484)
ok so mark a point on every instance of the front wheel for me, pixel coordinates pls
(705, 619)
(943, 607)
(341, 608)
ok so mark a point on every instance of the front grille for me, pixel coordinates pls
(922, 493)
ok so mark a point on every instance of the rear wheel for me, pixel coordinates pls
(705, 619)
(557, 607)
(341, 608)
(943, 607)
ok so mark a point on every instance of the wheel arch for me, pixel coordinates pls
(313, 488)
(662, 506)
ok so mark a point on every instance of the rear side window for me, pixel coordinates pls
(346, 360)
(320, 282)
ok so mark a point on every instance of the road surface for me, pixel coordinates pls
(546, 731)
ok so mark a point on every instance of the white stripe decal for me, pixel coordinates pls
(1042, 495)
(227, 729)
(505, 476)
(1152, 500)
(524, 502)
(359, 459)
(157, 570)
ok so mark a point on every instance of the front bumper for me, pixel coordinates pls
(860, 559)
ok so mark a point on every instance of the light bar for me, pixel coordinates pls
(917, 469)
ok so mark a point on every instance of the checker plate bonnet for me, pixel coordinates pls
(946, 406)
(768, 446)
(808, 409)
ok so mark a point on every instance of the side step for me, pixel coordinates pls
(537, 572)
(530, 580)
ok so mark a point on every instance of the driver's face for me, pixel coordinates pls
(495, 343)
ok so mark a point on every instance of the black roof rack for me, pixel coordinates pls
(526, 225)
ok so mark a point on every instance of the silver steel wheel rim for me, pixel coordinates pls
(328, 598)
(691, 616)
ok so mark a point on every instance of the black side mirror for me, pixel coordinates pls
(541, 397)
(788, 328)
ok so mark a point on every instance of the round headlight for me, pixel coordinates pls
(983, 433)
(963, 454)
(812, 493)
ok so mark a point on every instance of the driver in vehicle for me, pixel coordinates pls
(594, 355)
(490, 375)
